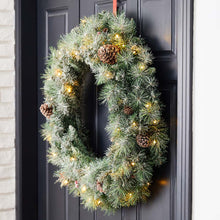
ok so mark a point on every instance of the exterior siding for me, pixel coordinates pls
(7, 110)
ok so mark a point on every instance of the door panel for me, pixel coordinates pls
(156, 24)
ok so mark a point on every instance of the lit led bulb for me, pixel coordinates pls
(98, 202)
(83, 189)
(68, 88)
(49, 138)
(142, 66)
(58, 72)
(109, 75)
(148, 105)
(129, 195)
(132, 163)
(117, 36)
(74, 53)
(83, 21)
(118, 129)
(72, 158)
(154, 141)
(65, 182)
(155, 121)
(134, 124)
(53, 154)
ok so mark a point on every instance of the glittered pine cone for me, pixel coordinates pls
(46, 110)
(108, 53)
(128, 110)
(99, 187)
(143, 140)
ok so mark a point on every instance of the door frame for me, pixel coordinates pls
(26, 101)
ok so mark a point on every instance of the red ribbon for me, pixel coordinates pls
(115, 7)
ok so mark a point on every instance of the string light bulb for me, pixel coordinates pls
(118, 129)
(135, 49)
(108, 75)
(142, 66)
(83, 21)
(129, 196)
(154, 141)
(65, 182)
(132, 163)
(148, 105)
(98, 202)
(53, 154)
(72, 158)
(83, 189)
(155, 121)
(49, 138)
(75, 54)
(117, 36)
(58, 72)
(134, 124)
(68, 88)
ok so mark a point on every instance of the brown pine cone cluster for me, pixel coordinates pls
(143, 140)
(46, 110)
(128, 110)
(108, 53)
(99, 187)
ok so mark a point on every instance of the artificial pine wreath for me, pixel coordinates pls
(106, 45)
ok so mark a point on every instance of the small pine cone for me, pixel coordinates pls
(108, 53)
(99, 187)
(128, 110)
(105, 30)
(46, 110)
(143, 140)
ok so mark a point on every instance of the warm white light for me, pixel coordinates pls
(132, 164)
(83, 189)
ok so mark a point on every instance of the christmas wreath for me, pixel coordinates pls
(107, 46)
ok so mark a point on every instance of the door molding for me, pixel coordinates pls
(26, 103)
(184, 110)
(26, 109)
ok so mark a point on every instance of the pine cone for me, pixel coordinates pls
(142, 140)
(108, 53)
(105, 30)
(128, 110)
(46, 110)
(99, 187)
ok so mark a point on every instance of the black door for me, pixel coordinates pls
(156, 23)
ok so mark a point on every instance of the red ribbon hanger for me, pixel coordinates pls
(115, 7)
